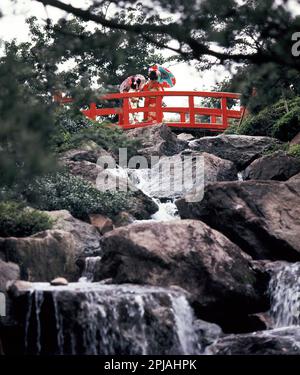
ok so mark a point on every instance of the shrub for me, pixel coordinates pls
(288, 126)
(267, 120)
(66, 124)
(294, 150)
(74, 130)
(64, 191)
(108, 136)
(18, 221)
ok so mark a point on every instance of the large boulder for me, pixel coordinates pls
(189, 171)
(100, 319)
(157, 140)
(240, 149)
(277, 166)
(220, 278)
(8, 272)
(272, 342)
(86, 236)
(43, 256)
(262, 217)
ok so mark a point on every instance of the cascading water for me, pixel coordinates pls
(90, 265)
(91, 318)
(284, 291)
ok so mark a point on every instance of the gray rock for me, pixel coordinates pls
(8, 272)
(157, 140)
(58, 281)
(187, 172)
(240, 149)
(278, 166)
(43, 256)
(217, 274)
(283, 341)
(207, 333)
(86, 236)
(262, 217)
(185, 137)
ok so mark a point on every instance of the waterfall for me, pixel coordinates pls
(284, 291)
(90, 265)
(90, 318)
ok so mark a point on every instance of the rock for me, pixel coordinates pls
(184, 173)
(59, 281)
(157, 140)
(185, 137)
(207, 333)
(43, 256)
(8, 272)
(84, 169)
(278, 166)
(295, 178)
(296, 140)
(262, 217)
(95, 319)
(102, 223)
(123, 218)
(142, 207)
(89, 151)
(240, 149)
(19, 287)
(282, 341)
(86, 236)
(217, 274)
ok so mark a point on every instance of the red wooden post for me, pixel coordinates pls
(182, 117)
(213, 119)
(159, 111)
(192, 112)
(224, 112)
(93, 111)
(125, 111)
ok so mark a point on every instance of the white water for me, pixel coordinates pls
(284, 291)
(110, 319)
(90, 264)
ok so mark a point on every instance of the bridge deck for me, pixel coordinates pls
(190, 117)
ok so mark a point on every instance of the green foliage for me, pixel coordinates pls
(63, 191)
(26, 123)
(294, 150)
(276, 147)
(19, 221)
(288, 126)
(74, 129)
(67, 122)
(108, 136)
(274, 121)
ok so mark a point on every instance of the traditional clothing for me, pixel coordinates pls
(151, 101)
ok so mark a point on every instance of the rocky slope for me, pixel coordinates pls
(154, 280)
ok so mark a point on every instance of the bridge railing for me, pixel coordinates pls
(189, 115)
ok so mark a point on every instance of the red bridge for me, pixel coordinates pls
(189, 117)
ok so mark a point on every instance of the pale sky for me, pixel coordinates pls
(12, 25)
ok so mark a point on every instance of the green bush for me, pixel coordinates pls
(268, 121)
(288, 126)
(72, 130)
(64, 191)
(108, 136)
(66, 124)
(294, 150)
(18, 221)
